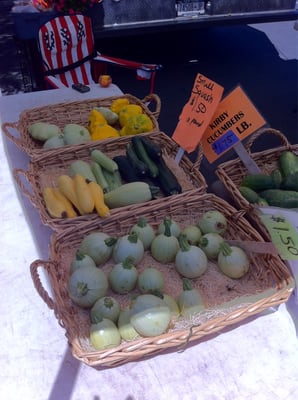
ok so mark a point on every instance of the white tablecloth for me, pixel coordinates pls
(255, 360)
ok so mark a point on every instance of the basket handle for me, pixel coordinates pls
(34, 267)
(18, 175)
(150, 98)
(5, 129)
(266, 131)
(198, 161)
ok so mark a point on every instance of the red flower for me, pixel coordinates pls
(73, 6)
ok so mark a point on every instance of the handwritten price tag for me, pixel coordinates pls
(197, 112)
(235, 112)
(225, 142)
(283, 235)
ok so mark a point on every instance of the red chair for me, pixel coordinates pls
(66, 45)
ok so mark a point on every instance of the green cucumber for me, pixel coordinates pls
(258, 182)
(276, 176)
(290, 182)
(103, 160)
(80, 167)
(280, 198)
(262, 202)
(142, 154)
(288, 163)
(249, 194)
(130, 193)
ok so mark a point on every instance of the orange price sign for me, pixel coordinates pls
(235, 119)
(197, 113)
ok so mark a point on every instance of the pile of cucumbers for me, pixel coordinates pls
(144, 161)
(279, 189)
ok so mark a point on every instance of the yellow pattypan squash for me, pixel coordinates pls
(99, 128)
(95, 118)
(117, 104)
(128, 111)
(138, 123)
(105, 131)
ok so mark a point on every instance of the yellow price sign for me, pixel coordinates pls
(283, 235)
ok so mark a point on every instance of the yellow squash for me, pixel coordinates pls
(57, 204)
(98, 197)
(85, 199)
(136, 124)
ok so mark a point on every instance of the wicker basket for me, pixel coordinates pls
(228, 301)
(45, 170)
(76, 112)
(232, 172)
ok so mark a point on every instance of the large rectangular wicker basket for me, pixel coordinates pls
(45, 170)
(232, 172)
(60, 114)
(228, 301)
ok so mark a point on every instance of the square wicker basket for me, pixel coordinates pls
(232, 172)
(228, 301)
(60, 114)
(45, 170)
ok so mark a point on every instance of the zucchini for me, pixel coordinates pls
(280, 198)
(142, 154)
(130, 193)
(127, 172)
(167, 179)
(258, 182)
(153, 149)
(80, 167)
(100, 178)
(103, 160)
(288, 163)
(109, 115)
(139, 166)
(113, 178)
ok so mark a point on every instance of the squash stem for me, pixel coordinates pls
(154, 191)
(108, 302)
(187, 285)
(225, 249)
(183, 242)
(96, 318)
(133, 237)
(82, 288)
(167, 223)
(142, 222)
(128, 263)
(110, 241)
(79, 255)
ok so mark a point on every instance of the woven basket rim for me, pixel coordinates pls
(232, 171)
(180, 341)
(271, 294)
(46, 168)
(63, 113)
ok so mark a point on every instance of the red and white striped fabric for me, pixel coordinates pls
(65, 41)
(67, 49)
